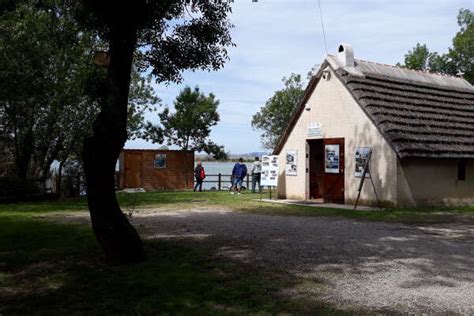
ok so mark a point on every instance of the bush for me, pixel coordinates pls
(12, 186)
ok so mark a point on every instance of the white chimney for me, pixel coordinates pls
(345, 54)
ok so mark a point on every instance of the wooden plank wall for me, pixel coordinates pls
(178, 174)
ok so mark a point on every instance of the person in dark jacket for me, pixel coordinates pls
(238, 174)
(199, 174)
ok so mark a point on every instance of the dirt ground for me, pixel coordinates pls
(355, 265)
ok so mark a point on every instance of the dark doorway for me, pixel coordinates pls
(326, 170)
(316, 169)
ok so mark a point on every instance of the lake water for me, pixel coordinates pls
(213, 168)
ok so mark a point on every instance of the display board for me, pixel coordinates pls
(331, 159)
(291, 162)
(269, 175)
(361, 156)
(160, 161)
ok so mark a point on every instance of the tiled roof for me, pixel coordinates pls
(420, 114)
(419, 119)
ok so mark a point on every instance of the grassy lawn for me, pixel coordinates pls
(56, 268)
(246, 202)
(49, 268)
(249, 202)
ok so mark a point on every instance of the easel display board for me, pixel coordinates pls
(269, 175)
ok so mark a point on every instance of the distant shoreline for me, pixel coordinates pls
(227, 160)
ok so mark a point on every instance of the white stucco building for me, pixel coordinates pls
(418, 126)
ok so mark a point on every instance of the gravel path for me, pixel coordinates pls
(363, 265)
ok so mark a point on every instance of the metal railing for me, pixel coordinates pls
(221, 179)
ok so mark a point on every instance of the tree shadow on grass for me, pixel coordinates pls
(56, 269)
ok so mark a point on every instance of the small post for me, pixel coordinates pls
(219, 177)
(270, 192)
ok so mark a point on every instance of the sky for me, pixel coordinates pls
(275, 38)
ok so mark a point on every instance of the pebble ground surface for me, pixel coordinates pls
(354, 265)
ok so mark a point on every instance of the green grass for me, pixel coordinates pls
(246, 202)
(50, 268)
(56, 269)
(249, 202)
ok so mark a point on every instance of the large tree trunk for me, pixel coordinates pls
(114, 233)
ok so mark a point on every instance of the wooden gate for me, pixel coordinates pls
(132, 170)
(333, 170)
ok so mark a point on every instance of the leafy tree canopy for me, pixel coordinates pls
(275, 114)
(459, 60)
(166, 37)
(189, 126)
(50, 87)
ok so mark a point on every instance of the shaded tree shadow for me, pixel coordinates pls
(412, 259)
(48, 268)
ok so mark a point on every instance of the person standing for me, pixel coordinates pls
(256, 173)
(238, 174)
(199, 174)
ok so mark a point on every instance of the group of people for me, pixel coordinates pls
(239, 172)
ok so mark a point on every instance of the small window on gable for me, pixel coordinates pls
(462, 169)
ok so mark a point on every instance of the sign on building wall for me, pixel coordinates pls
(269, 175)
(361, 157)
(291, 162)
(160, 161)
(314, 130)
(331, 159)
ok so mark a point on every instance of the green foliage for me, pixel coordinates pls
(274, 116)
(141, 99)
(189, 126)
(44, 100)
(458, 61)
(462, 52)
(51, 87)
(174, 35)
(12, 186)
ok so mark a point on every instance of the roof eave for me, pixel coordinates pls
(300, 107)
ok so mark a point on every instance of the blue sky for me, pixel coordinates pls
(277, 37)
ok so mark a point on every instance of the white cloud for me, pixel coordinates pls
(277, 37)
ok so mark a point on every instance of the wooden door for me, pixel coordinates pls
(132, 170)
(333, 170)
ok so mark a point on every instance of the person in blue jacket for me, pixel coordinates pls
(238, 174)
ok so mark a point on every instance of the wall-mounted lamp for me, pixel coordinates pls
(326, 75)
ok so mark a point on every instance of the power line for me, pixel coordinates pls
(322, 26)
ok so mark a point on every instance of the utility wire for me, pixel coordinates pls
(322, 26)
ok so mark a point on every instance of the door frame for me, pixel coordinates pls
(330, 180)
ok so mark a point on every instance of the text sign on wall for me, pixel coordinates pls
(314, 130)
(269, 175)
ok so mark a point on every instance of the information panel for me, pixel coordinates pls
(269, 176)
(331, 154)
(291, 162)
(361, 157)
